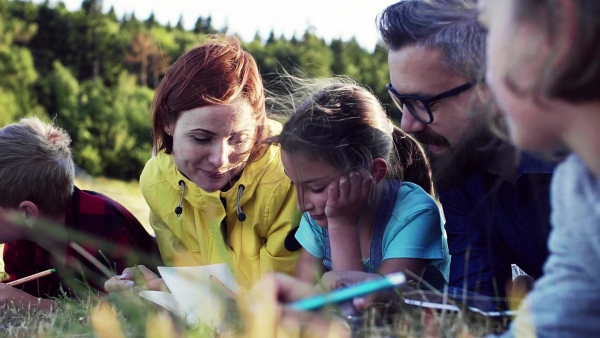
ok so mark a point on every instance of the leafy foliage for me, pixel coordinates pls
(94, 73)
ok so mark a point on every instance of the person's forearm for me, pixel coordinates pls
(344, 243)
(309, 268)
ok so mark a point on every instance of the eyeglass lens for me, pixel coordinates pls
(416, 107)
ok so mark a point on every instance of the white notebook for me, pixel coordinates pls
(192, 294)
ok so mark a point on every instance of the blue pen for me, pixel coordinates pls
(350, 292)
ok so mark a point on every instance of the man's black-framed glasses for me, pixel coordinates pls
(419, 106)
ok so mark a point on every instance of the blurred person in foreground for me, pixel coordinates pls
(544, 71)
(50, 213)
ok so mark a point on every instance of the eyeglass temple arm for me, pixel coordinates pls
(454, 91)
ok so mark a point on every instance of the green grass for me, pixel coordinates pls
(128, 316)
(136, 317)
(131, 316)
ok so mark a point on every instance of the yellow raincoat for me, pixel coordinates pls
(200, 237)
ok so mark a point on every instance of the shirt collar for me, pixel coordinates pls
(532, 164)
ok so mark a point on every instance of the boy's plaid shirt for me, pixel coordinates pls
(103, 227)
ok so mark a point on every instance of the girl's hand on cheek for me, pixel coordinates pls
(347, 197)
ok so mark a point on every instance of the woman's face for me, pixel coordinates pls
(211, 144)
(517, 53)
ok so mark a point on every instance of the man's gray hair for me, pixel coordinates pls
(36, 165)
(448, 25)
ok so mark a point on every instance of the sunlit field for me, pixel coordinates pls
(128, 315)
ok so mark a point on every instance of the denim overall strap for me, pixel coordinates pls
(384, 213)
(386, 207)
(326, 251)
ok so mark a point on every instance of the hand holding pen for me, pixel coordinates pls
(9, 294)
(267, 306)
(295, 303)
(350, 292)
(139, 277)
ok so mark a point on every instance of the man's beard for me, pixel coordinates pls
(473, 152)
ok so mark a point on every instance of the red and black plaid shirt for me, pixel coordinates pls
(103, 227)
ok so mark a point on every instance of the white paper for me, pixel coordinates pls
(450, 307)
(193, 295)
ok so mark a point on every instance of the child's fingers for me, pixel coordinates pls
(362, 183)
(329, 281)
(345, 185)
(367, 184)
(355, 186)
(284, 288)
(115, 284)
(333, 193)
(361, 303)
(127, 274)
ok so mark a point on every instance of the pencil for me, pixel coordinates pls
(92, 259)
(32, 277)
(222, 286)
(350, 292)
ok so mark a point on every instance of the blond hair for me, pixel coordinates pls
(36, 165)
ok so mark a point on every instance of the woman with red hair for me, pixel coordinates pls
(217, 191)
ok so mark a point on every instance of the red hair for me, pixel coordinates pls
(218, 71)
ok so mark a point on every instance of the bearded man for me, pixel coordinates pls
(495, 200)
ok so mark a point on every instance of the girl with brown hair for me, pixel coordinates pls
(364, 187)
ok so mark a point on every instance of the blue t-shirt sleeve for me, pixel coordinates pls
(310, 236)
(415, 229)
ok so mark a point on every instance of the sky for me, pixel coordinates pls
(330, 18)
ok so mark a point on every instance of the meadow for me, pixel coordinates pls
(128, 315)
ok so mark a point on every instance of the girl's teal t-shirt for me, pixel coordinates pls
(415, 230)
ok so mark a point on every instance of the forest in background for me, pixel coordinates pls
(94, 73)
